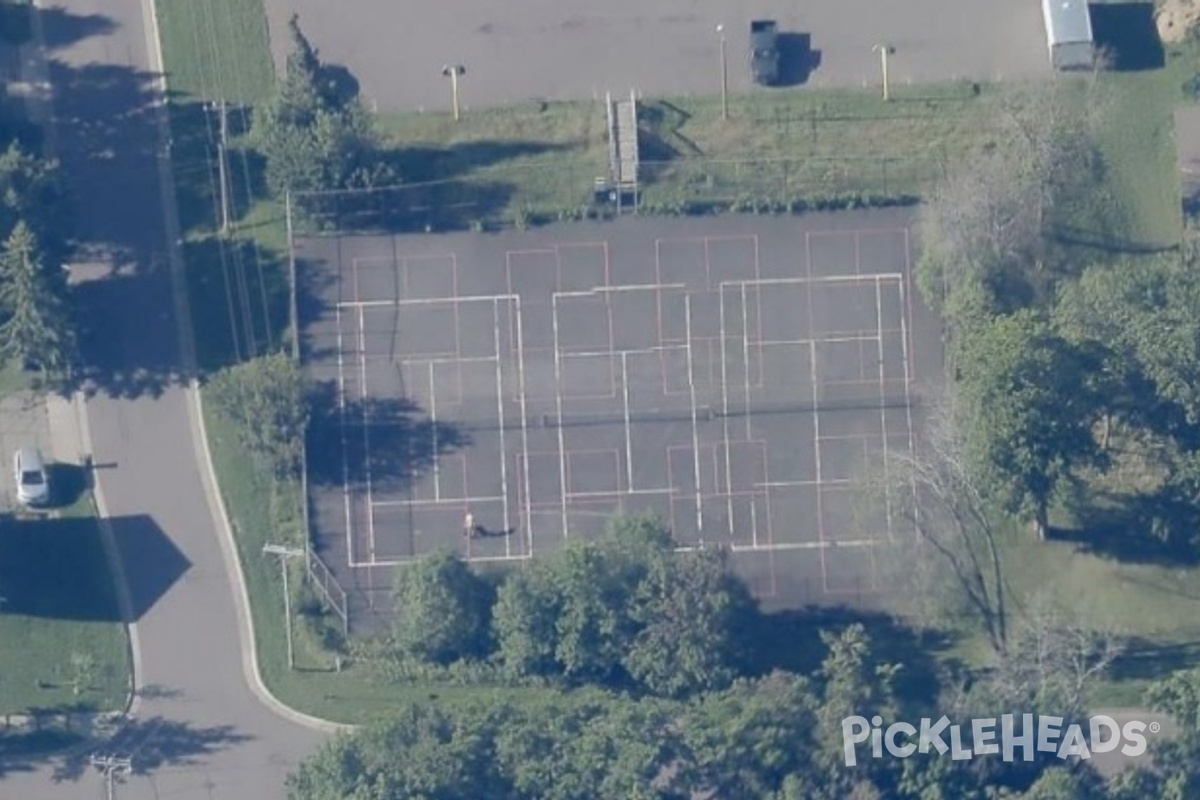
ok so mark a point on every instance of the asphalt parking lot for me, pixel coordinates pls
(735, 376)
(573, 49)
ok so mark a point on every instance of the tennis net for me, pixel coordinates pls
(707, 413)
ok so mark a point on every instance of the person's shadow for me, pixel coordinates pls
(480, 532)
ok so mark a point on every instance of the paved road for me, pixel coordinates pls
(200, 732)
(559, 49)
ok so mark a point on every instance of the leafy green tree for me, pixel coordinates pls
(523, 621)
(38, 330)
(441, 610)
(1148, 318)
(423, 752)
(1059, 783)
(573, 613)
(752, 739)
(313, 135)
(690, 610)
(266, 399)
(593, 749)
(1030, 401)
(594, 629)
(1173, 771)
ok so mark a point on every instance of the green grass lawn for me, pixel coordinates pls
(779, 146)
(65, 645)
(216, 49)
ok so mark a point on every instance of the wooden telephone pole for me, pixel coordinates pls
(112, 767)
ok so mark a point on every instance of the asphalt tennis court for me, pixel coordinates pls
(734, 375)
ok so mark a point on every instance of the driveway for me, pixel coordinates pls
(560, 49)
(22, 422)
(199, 731)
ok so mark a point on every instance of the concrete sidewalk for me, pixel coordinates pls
(66, 440)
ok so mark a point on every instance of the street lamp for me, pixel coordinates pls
(724, 74)
(453, 71)
(284, 554)
(884, 51)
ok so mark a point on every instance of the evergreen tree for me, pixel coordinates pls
(38, 331)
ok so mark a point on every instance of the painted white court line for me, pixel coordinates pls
(725, 407)
(500, 421)
(524, 424)
(342, 435)
(628, 426)
(558, 404)
(887, 483)
(447, 501)
(423, 301)
(687, 316)
(433, 427)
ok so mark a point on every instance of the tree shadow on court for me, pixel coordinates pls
(316, 296)
(791, 640)
(391, 440)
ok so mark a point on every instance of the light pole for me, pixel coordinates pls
(453, 71)
(284, 554)
(724, 74)
(884, 51)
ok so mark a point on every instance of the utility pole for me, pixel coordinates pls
(222, 165)
(884, 51)
(293, 310)
(285, 553)
(724, 74)
(112, 768)
(454, 72)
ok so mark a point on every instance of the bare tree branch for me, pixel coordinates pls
(936, 493)
(1053, 661)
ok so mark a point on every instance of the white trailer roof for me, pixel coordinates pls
(1067, 21)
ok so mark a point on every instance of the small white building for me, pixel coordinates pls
(1069, 34)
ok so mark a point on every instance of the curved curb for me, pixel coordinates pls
(233, 567)
(216, 503)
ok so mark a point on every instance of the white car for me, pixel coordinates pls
(29, 470)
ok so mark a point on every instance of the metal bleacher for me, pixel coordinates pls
(623, 151)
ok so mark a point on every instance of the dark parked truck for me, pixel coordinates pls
(764, 51)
